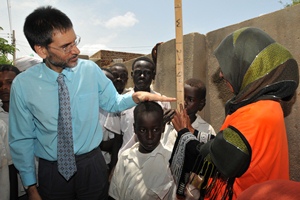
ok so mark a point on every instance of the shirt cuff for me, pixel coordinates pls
(28, 179)
(182, 131)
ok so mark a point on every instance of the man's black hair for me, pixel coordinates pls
(42, 22)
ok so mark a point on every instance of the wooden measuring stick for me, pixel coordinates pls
(179, 54)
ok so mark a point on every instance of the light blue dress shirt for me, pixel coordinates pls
(33, 112)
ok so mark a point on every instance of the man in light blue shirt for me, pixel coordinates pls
(34, 110)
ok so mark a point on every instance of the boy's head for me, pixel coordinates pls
(143, 72)
(194, 95)
(148, 125)
(7, 75)
(120, 72)
(108, 74)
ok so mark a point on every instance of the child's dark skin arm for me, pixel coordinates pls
(106, 145)
(117, 143)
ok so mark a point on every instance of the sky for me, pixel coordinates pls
(132, 25)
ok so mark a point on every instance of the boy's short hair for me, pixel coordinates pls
(197, 83)
(144, 58)
(120, 65)
(107, 70)
(108, 73)
(147, 106)
(8, 67)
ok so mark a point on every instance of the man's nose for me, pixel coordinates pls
(75, 49)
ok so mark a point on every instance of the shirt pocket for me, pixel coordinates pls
(87, 107)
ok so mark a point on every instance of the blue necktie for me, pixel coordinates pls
(65, 151)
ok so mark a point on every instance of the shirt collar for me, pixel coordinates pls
(52, 75)
(69, 73)
(134, 150)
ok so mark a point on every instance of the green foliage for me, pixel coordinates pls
(294, 2)
(5, 50)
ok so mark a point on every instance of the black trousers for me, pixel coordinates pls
(89, 182)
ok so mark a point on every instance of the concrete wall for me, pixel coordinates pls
(199, 62)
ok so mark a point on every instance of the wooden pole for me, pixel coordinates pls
(179, 53)
(14, 45)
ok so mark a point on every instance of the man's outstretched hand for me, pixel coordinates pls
(147, 96)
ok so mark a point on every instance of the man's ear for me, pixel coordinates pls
(41, 51)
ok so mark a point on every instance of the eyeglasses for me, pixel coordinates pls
(68, 48)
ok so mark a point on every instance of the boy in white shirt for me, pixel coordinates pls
(194, 102)
(142, 171)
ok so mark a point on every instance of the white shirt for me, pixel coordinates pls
(143, 176)
(4, 171)
(107, 135)
(204, 129)
(4, 116)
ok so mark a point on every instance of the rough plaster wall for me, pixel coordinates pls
(194, 63)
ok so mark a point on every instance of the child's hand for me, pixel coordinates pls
(181, 120)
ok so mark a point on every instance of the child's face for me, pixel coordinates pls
(193, 102)
(142, 74)
(120, 77)
(148, 128)
(6, 79)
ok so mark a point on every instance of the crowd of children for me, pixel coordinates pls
(148, 137)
